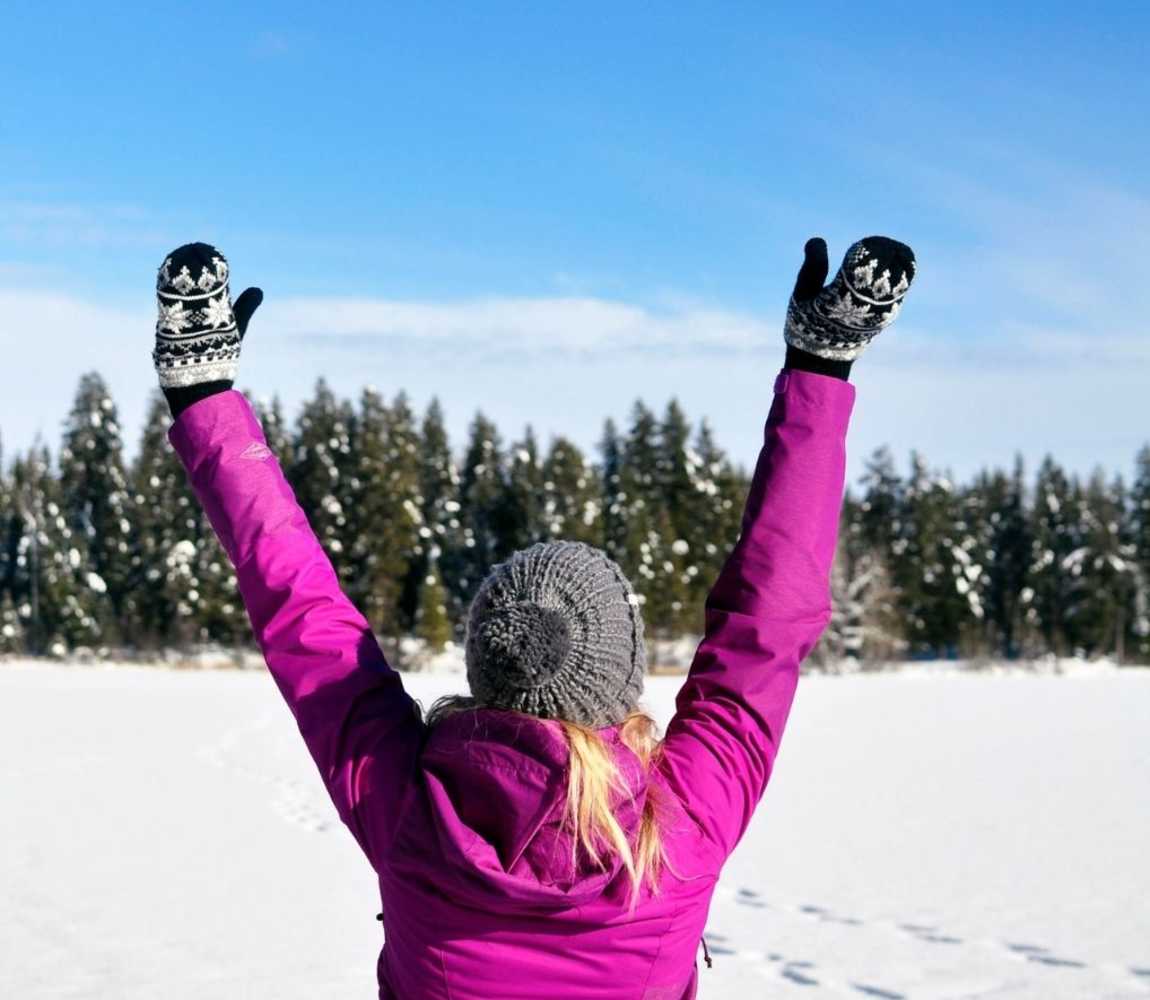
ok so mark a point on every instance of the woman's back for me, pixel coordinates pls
(486, 894)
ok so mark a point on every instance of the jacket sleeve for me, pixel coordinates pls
(359, 724)
(765, 612)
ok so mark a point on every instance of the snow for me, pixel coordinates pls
(927, 834)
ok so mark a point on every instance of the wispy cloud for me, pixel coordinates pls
(582, 325)
(39, 223)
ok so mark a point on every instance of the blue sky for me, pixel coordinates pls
(546, 212)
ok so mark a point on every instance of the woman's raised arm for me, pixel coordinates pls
(771, 601)
(361, 727)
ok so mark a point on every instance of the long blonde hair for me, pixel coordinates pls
(593, 779)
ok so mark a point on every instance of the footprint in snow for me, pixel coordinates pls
(796, 972)
(748, 897)
(878, 991)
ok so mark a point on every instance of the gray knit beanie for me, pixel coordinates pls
(555, 631)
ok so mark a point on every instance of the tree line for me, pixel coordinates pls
(117, 558)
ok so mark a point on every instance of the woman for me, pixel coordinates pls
(535, 839)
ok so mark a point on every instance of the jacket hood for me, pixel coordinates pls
(497, 789)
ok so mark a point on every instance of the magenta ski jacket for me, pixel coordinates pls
(481, 895)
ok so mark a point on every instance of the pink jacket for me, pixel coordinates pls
(480, 897)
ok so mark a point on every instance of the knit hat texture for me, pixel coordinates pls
(196, 335)
(555, 631)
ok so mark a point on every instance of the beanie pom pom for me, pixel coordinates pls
(524, 642)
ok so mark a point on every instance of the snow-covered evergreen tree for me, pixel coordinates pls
(432, 623)
(711, 521)
(525, 495)
(866, 621)
(675, 471)
(441, 530)
(934, 571)
(320, 470)
(1101, 570)
(483, 514)
(166, 513)
(60, 597)
(1053, 539)
(188, 592)
(572, 497)
(614, 500)
(98, 503)
(649, 556)
(1005, 544)
(881, 506)
(385, 517)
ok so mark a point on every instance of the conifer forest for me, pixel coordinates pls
(117, 559)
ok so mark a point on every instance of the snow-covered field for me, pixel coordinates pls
(163, 834)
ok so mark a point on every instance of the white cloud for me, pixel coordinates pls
(28, 223)
(529, 325)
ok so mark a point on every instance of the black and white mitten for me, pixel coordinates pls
(837, 322)
(198, 330)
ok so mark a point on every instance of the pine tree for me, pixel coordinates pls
(525, 500)
(385, 518)
(166, 513)
(866, 622)
(935, 570)
(979, 506)
(320, 467)
(674, 467)
(572, 496)
(97, 501)
(440, 535)
(64, 598)
(483, 514)
(1053, 540)
(712, 519)
(432, 623)
(649, 559)
(1008, 545)
(1101, 570)
(881, 507)
(614, 503)
(187, 592)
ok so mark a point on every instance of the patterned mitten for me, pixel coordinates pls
(839, 321)
(198, 331)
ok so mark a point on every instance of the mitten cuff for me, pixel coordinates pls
(180, 398)
(193, 371)
(802, 361)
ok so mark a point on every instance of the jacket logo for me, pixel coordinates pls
(256, 451)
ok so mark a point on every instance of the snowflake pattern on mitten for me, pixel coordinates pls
(196, 335)
(863, 299)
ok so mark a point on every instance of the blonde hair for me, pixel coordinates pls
(593, 779)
